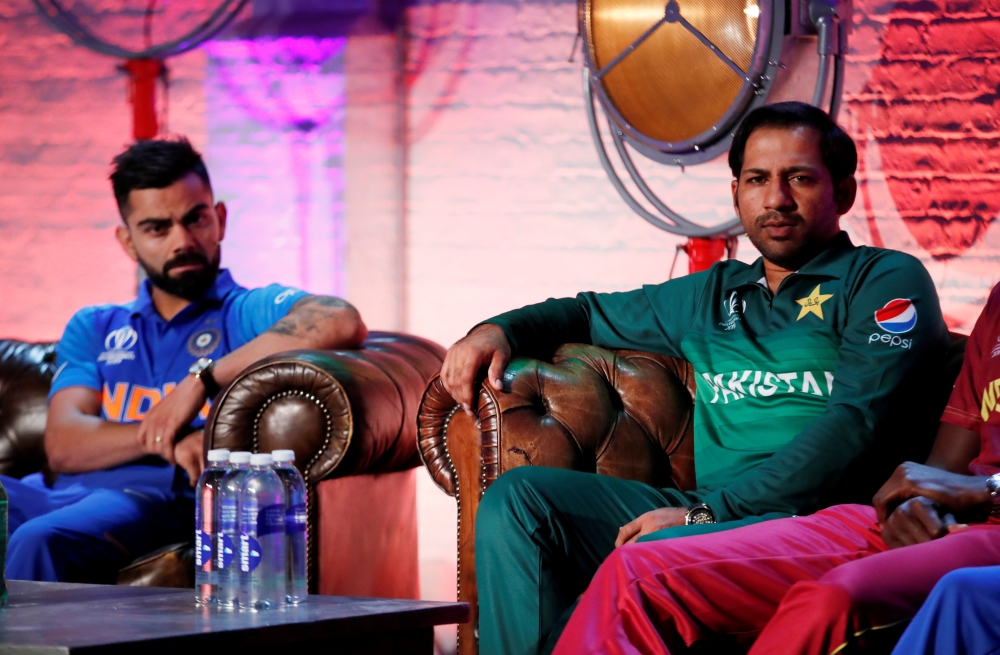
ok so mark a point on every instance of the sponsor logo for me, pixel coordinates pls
(892, 340)
(996, 351)
(283, 296)
(203, 342)
(897, 317)
(734, 307)
(118, 346)
(736, 385)
(813, 303)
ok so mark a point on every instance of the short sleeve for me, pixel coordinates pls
(963, 407)
(76, 354)
(254, 312)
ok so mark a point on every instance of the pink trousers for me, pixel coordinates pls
(797, 586)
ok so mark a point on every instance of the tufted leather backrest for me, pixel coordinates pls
(26, 371)
(628, 414)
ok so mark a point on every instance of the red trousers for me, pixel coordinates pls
(798, 586)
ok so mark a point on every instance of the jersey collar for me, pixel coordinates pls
(833, 262)
(224, 283)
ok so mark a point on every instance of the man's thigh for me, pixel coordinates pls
(567, 514)
(29, 498)
(892, 585)
(91, 539)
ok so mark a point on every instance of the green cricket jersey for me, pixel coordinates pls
(793, 387)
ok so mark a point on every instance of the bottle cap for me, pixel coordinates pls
(261, 459)
(283, 456)
(239, 457)
(218, 455)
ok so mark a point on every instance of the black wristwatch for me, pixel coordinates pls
(699, 515)
(202, 369)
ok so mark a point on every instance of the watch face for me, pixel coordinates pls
(199, 366)
(700, 515)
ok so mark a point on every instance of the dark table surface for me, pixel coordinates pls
(44, 617)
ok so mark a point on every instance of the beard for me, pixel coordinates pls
(190, 285)
(790, 254)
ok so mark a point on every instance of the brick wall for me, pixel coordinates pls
(506, 202)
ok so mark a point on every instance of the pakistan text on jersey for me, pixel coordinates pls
(130, 402)
(737, 385)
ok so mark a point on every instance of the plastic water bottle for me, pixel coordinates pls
(295, 525)
(206, 527)
(227, 555)
(262, 537)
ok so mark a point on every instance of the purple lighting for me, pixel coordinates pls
(275, 113)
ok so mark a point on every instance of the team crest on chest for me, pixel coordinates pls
(813, 303)
(118, 346)
(734, 307)
(204, 342)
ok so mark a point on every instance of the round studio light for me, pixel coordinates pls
(674, 80)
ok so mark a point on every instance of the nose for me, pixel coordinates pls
(779, 196)
(182, 239)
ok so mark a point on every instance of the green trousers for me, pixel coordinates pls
(541, 534)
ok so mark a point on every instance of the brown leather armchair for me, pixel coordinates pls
(349, 417)
(623, 413)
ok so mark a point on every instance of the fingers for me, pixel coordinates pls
(497, 367)
(914, 522)
(484, 346)
(629, 532)
(156, 439)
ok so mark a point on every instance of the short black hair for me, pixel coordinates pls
(154, 164)
(840, 155)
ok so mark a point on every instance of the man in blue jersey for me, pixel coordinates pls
(129, 398)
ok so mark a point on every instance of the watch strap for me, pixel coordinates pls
(212, 387)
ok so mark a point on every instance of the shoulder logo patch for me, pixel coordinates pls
(897, 317)
(813, 303)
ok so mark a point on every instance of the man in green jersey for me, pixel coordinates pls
(812, 364)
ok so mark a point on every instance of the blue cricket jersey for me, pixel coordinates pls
(134, 358)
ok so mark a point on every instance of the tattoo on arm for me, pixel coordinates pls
(306, 315)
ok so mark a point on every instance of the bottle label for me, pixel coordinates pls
(270, 519)
(227, 550)
(249, 553)
(228, 515)
(295, 519)
(203, 542)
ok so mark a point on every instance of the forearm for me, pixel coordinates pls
(537, 330)
(87, 443)
(314, 323)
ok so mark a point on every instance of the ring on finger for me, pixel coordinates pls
(158, 439)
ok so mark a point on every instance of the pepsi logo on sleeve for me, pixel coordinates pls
(898, 316)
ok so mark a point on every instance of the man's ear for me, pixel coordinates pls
(736, 198)
(125, 239)
(844, 194)
(221, 212)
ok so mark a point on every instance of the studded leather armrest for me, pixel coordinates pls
(344, 412)
(627, 414)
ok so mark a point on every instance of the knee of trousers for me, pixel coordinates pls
(969, 581)
(34, 541)
(510, 507)
(824, 602)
